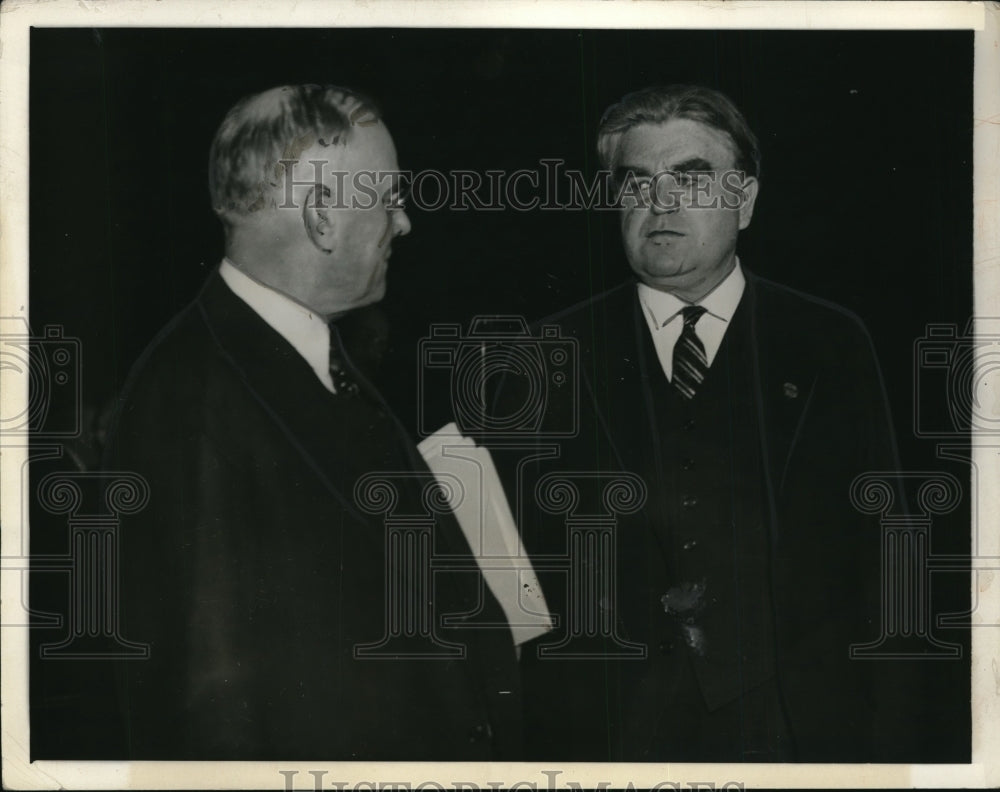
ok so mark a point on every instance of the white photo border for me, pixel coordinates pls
(16, 19)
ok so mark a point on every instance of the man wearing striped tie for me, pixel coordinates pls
(747, 409)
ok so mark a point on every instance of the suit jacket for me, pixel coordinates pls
(253, 574)
(819, 417)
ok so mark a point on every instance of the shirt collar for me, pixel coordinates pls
(721, 302)
(301, 327)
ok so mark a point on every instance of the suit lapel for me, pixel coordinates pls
(614, 373)
(616, 370)
(785, 378)
(620, 381)
(307, 414)
(617, 364)
(279, 380)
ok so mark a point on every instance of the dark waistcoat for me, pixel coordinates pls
(708, 513)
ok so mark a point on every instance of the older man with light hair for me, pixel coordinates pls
(253, 574)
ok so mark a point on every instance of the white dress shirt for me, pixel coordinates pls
(301, 327)
(663, 316)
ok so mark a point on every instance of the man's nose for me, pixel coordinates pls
(400, 223)
(666, 194)
(661, 206)
(667, 199)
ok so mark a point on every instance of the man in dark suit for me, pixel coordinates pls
(259, 574)
(746, 409)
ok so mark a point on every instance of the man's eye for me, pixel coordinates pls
(641, 185)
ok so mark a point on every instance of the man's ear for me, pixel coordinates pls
(317, 218)
(750, 188)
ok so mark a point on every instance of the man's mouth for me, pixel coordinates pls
(664, 234)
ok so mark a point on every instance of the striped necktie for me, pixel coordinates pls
(690, 362)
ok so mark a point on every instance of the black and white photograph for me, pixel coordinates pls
(382, 388)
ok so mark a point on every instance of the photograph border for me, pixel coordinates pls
(16, 19)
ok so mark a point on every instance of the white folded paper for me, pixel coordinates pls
(485, 517)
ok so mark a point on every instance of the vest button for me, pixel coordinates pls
(690, 545)
(687, 464)
(689, 423)
(689, 502)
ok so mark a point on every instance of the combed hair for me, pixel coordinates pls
(659, 104)
(244, 162)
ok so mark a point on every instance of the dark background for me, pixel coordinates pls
(866, 185)
(866, 195)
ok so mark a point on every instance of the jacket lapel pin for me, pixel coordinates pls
(791, 390)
